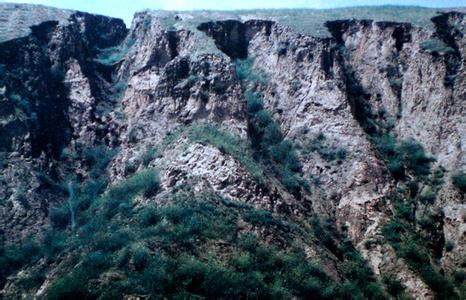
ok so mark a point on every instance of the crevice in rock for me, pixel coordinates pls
(401, 34)
(449, 33)
(38, 77)
(173, 41)
(338, 28)
(357, 97)
(232, 37)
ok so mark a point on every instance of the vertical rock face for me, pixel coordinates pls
(50, 85)
(418, 89)
(70, 86)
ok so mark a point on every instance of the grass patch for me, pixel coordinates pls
(436, 45)
(112, 55)
(227, 143)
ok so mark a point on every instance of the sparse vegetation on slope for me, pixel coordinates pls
(267, 141)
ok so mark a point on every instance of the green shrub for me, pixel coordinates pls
(441, 286)
(140, 257)
(73, 287)
(341, 153)
(190, 219)
(144, 182)
(59, 217)
(413, 249)
(110, 56)
(428, 196)
(449, 245)
(436, 45)
(266, 138)
(414, 157)
(33, 279)
(459, 276)
(52, 242)
(394, 286)
(97, 158)
(22, 103)
(317, 144)
(406, 156)
(269, 145)
(14, 257)
(149, 216)
(261, 217)
(459, 180)
(246, 75)
(149, 155)
(95, 262)
(118, 89)
(111, 241)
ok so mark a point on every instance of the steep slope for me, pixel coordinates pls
(217, 158)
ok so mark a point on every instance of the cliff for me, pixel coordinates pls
(232, 158)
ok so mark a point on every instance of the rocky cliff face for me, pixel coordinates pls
(363, 132)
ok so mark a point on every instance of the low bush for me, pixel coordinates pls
(436, 45)
(140, 257)
(13, 257)
(317, 144)
(459, 180)
(405, 156)
(449, 245)
(73, 287)
(410, 246)
(144, 182)
(266, 138)
(59, 217)
(270, 147)
(110, 56)
(149, 155)
(149, 216)
(394, 286)
(97, 158)
(414, 157)
(261, 217)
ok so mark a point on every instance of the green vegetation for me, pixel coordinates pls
(267, 141)
(459, 180)
(394, 287)
(149, 155)
(227, 143)
(309, 21)
(415, 248)
(328, 153)
(13, 257)
(408, 163)
(436, 45)
(23, 109)
(243, 267)
(110, 56)
(405, 157)
(118, 89)
(145, 182)
(361, 282)
(191, 246)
